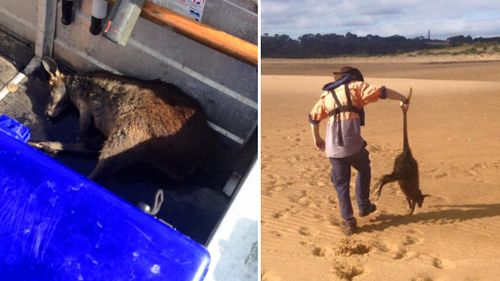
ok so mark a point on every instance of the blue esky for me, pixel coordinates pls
(409, 18)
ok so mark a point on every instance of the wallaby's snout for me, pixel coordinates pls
(58, 102)
(50, 111)
(420, 201)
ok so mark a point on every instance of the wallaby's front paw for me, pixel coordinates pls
(45, 146)
(37, 145)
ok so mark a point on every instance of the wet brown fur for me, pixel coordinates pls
(148, 122)
(405, 172)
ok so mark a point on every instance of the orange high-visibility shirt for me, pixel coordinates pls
(348, 127)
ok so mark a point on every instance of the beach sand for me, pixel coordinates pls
(454, 134)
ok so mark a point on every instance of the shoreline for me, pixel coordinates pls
(468, 68)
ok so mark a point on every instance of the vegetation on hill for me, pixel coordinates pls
(332, 45)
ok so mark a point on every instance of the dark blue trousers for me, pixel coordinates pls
(341, 177)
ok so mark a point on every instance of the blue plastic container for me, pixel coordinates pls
(14, 129)
(57, 225)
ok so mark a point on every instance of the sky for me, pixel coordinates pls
(408, 18)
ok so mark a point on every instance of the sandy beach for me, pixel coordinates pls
(454, 134)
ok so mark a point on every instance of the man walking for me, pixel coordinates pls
(342, 103)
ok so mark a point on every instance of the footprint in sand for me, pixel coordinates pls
(294, 159)
(285, 212)
(443, 263)
(319, 217)
(279, 214)
(305, 203)
(282, 180)
(402, 250)
(332, 200)
(409, 240)
(400, 253)
(304, 231)
(349, 247)
(381, 149)
(344, 271)
(293, 138)
(482, 165)
(333, 220)
(374, 148)
(272, 177)
(469, 173)
(299, 199)
(267, 191)
(437, 262)
(379, 246)
(438, 174)
(318, 252)
(320, 183)
(435, 173)
(316, 167)
(276, 233)
(304, 170)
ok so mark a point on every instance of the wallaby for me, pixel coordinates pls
(405, 172)
(147, 122)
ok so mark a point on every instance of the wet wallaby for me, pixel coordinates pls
(147, 122)
(405, 172)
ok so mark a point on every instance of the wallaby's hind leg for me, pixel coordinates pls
(109, 164)
(409, 202)
(119, 150)
(383, 181)
(413, 203)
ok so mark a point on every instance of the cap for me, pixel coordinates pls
(344, 69)
(357, 75)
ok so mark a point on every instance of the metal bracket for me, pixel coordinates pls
(46, 28)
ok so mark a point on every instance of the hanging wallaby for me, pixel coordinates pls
(147, 122)
(405, 172)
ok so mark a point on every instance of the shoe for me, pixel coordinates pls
(372, 208)
(349, 226)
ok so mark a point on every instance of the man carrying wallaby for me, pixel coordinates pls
(342, 103)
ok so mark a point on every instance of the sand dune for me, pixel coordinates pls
(455, 136)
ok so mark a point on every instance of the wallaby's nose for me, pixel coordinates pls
(49, 112)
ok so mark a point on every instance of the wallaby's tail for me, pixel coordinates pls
(406, 144)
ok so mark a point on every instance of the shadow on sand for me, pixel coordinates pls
(449, 214)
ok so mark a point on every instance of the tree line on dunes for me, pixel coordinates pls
(331, 45)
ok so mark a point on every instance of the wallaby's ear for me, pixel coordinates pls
(50, 66)
(409, 96)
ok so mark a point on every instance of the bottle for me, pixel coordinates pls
(122, 20)
(99, 9)
(67, 12)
